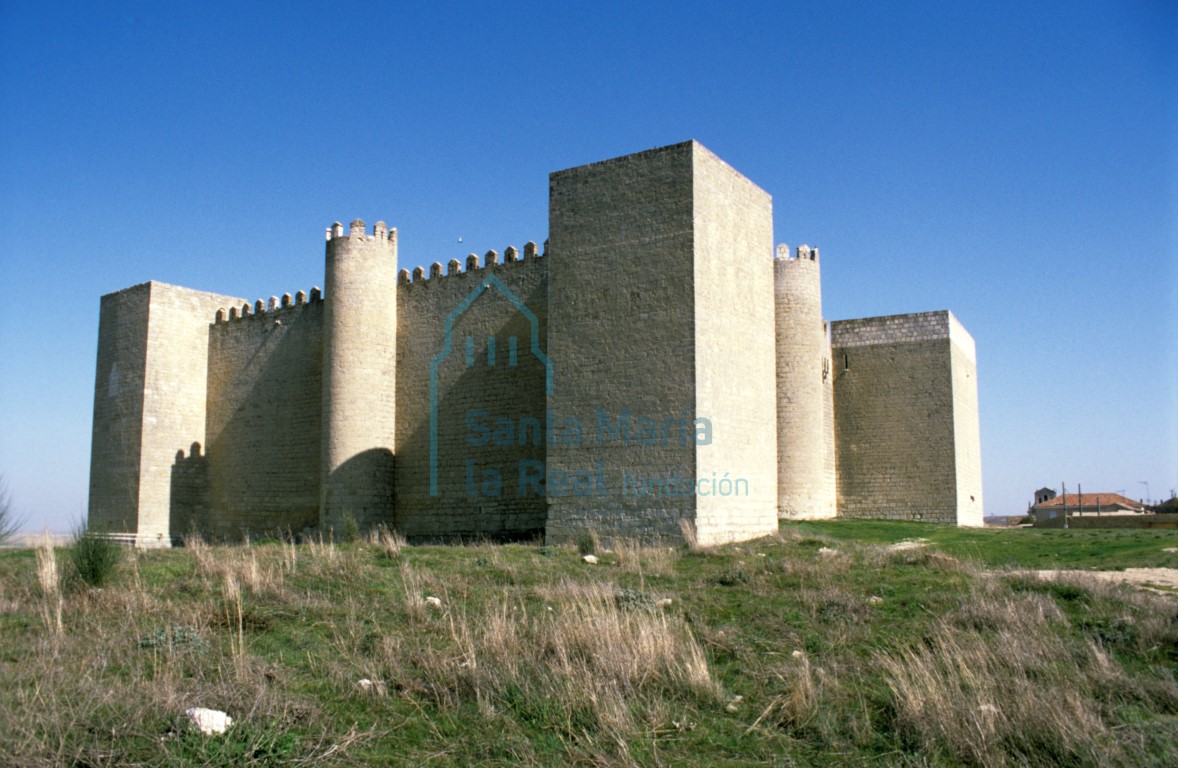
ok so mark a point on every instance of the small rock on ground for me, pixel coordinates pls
(375, 687)
(208, 721)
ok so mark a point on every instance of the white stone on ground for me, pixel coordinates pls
(208, 721)
(376, 687)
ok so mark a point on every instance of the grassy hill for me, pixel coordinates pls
(826, 644)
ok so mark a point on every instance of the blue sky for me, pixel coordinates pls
(1013, 162)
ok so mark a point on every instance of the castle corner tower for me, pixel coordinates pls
(805, 428)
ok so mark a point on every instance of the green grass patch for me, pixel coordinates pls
(1089, 549)
(818, 646)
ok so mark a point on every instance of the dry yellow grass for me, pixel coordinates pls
(50, 582)
(634, 557)
(580, 652)
(997, 680)
(389, 542)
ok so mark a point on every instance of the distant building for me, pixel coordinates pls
(1048, 505)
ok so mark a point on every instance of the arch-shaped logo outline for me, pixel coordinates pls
(489, 281)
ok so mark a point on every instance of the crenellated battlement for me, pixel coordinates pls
(273, 307)
(356, 231)
(803, 253)
(454, 267)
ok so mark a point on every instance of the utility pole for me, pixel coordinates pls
(1064, 486)
(1146, 484)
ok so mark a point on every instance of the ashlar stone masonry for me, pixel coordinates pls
(656, 365)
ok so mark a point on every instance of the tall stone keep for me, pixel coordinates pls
(359, 375)
(805, 436)
(662, 341)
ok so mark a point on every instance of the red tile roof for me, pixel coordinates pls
(1093, 500)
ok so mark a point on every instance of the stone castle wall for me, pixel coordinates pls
(150, 398)
(829, 448)
(967, 453)
(735, 361)
(467, 329)
(264, 425)
(260, 470)
(621, 232)
(659, 249)
(359, 377)
(118, 409)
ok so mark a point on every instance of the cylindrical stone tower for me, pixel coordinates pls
(359, 376)
(805, 487)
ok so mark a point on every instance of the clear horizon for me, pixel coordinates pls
(1014, 165)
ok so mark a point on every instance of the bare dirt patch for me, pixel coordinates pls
(1158, 579)
(906, 544)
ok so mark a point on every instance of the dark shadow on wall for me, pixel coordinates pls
(189, 494)
(263, 423)
(361, 487)
(490, 395)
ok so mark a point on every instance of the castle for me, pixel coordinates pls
(658, 363)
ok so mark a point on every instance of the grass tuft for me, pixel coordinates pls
(95, 558)
(50, 583)
(388, 541)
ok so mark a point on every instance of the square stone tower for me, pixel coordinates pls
(906, 410)
(149, 403)
(661, 333)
